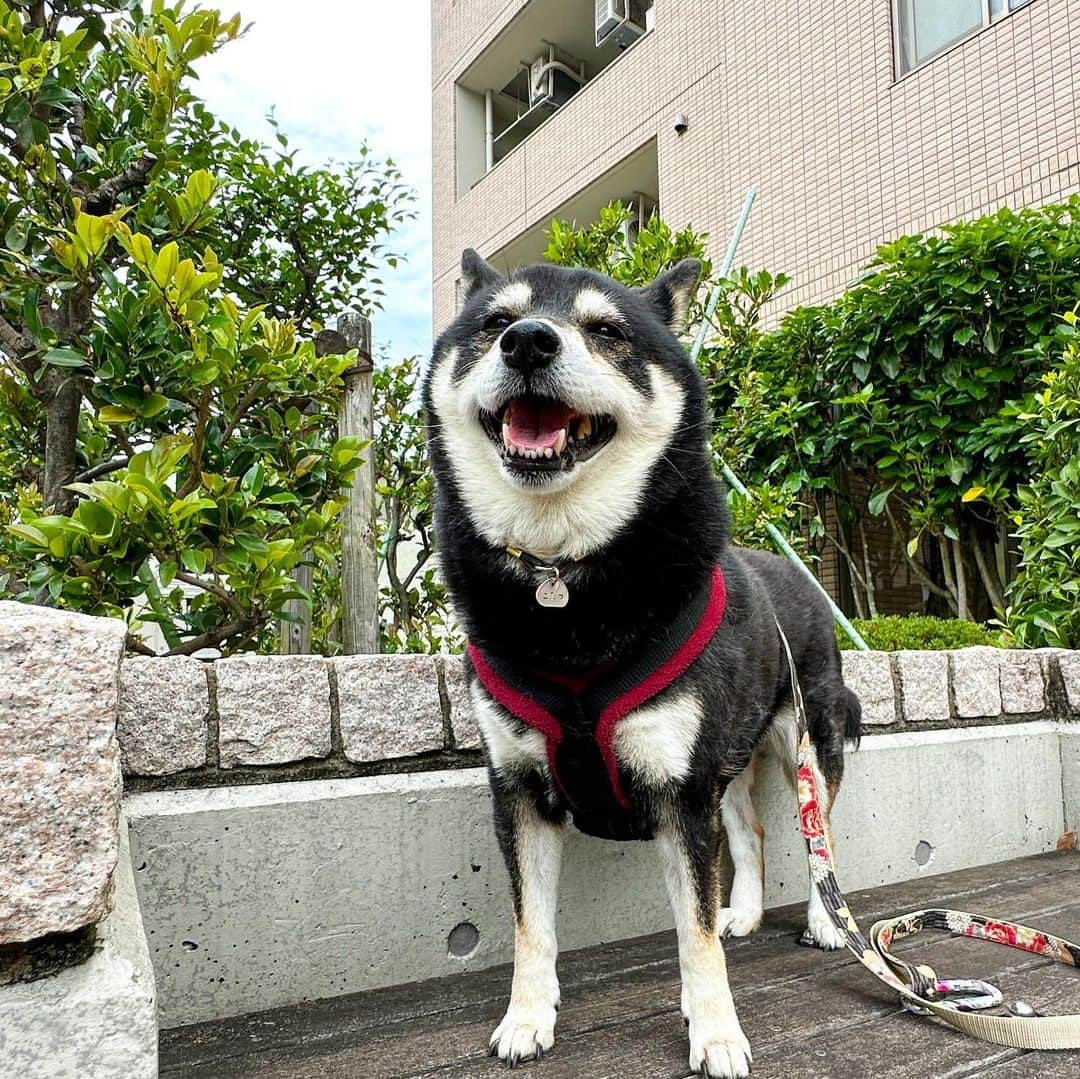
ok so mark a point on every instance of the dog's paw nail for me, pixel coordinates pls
(732, 922)
(722, 1058)
(524, 1034)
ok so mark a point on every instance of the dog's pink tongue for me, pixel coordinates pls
(535, 426)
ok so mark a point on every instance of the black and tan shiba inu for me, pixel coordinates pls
(624, 663)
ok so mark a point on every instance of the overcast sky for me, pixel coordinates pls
(343, 73)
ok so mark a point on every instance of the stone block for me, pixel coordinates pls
(924, 686)
(466, 733)
(94, 1021)
(975, 682)
(59, 769)
(1023, 688)
(389, 706)
(1069, 665)
(272, 709)
(164, 702)
(869, 676)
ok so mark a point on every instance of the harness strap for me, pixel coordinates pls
(955, 1001)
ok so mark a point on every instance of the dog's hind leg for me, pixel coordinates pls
(532, 848)
(820, 929)
(746, 903)
(689, 848)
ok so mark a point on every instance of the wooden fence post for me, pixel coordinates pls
(359, 559)
(294, 638)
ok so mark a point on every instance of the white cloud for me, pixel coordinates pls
(340, 74)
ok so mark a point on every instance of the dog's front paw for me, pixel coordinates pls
(738, 921)
(720, 1052)
(821, 932)
(524, 1034)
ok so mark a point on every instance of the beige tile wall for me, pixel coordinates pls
(797, 98)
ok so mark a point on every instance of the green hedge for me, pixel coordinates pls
(894, 632)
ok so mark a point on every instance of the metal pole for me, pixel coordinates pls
(489, 130)
(725, 269)
(775, 534)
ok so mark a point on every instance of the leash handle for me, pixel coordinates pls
(955, 1001)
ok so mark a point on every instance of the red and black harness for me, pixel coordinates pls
(578, 715)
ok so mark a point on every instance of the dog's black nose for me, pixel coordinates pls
(529, 344)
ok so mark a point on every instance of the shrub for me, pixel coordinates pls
(167, 429)
(1045, 598)
(914, 381)
(895, 632)
(414, 612)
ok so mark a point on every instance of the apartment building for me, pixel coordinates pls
(857, 120)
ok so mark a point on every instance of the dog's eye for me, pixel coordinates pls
(609, 330)
(497, 322)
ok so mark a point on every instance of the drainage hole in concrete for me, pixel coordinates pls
(189, 945)
(923, 852)
(463, 941)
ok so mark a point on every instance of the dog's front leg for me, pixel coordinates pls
(532, 847)
(718, 1047)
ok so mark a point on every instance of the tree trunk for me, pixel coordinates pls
(62, 425)
(868, 572)
(961, 582)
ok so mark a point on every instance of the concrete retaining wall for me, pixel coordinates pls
(260, 896)
(97, 1020)
(280, 718)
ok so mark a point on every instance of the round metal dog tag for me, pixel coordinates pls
(552, 592)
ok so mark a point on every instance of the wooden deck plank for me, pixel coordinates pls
(620, 1013)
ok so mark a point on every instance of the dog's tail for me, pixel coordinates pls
(853, 720)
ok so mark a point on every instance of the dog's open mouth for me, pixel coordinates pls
(538, 434)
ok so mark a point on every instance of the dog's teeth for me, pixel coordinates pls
(560, 442)
(506, 437)
(584, 428)
(549, 452)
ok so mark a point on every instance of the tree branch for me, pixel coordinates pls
(102, 469)
(103, 199)
(868, 572)
(842, 549)
(242, 406)
(17, 344)
(210, 639)
(215, 590)
(195, 476)
(134, 644)
(919, 571)
(997, 600)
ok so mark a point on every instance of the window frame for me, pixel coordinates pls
(903, 12)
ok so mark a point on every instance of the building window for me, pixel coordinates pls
(925, 28)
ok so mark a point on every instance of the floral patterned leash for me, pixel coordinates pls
(956, 1001)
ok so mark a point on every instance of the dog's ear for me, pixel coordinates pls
(670, 294)
(476, 273)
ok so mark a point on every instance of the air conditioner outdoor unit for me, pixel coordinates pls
(551, 81)
(619, 22)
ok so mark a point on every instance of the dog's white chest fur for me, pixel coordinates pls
(654, 743)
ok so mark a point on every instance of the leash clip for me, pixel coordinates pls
(961, 995)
